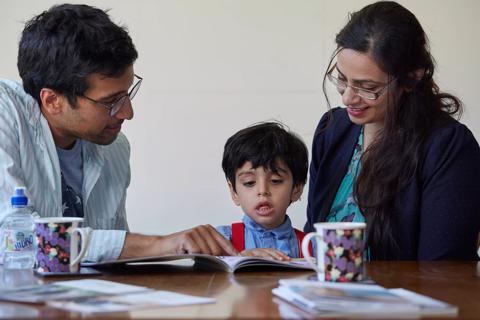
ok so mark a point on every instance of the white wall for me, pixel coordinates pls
(212, 67)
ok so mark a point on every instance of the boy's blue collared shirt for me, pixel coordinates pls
(282, 238)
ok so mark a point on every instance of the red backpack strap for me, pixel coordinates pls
(300, 235)
(238, 236)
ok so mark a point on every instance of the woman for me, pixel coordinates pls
(395, 157)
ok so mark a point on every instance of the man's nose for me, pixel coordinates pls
(126, 111)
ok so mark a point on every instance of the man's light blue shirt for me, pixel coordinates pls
(282, 238)
(28, 157)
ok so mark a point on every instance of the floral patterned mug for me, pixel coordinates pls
(340, 247)
(61, 244)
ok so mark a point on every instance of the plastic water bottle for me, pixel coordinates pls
(18, 234)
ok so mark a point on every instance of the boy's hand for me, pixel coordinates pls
(266, 253)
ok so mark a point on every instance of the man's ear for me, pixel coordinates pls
(51, 101)
(233, 193)
(296, 192)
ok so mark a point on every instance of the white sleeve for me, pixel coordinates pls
(105, 245)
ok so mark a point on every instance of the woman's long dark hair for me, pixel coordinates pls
(395, 39)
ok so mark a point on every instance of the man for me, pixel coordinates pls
(60, 134)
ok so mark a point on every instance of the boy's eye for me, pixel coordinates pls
(277, 181)
(249, 184)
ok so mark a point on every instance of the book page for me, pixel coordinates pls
(209, 262)
(237, 262)
(67, 290)
(428, 305)
(101, 286)
(133, 301)
(351, 298)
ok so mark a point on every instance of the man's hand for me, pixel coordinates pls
(266, 253)
(201, 239)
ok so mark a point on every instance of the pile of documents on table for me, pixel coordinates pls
(93, 296)
(345, 299)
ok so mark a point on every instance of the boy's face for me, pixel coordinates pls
(264, 195)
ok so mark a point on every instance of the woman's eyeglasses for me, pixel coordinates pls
(361, 92)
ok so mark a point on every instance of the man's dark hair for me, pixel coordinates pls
(265, 144)
(62, 46)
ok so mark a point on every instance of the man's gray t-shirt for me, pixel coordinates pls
(71, 166)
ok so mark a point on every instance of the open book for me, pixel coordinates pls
(208, 262)
(344, 299)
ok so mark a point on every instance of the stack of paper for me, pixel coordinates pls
(337, 299)
(92, 296)
(132, 301)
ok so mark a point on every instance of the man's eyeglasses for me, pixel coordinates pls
(115, 106)
(361, 92)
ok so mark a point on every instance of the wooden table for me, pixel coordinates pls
(248, 294)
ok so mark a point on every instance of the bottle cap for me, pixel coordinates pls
(19, 198)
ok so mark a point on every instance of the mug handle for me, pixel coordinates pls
(306, 253)
(75, 256)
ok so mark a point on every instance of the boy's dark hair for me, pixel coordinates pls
(263, 145)
(62, 46)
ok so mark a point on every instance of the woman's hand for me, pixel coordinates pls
(266, 253)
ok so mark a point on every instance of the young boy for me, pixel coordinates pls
(266, 168)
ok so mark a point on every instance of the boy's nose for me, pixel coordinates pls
(263, 190)
(264, 193)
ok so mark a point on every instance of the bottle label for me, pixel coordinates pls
(18, 240)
